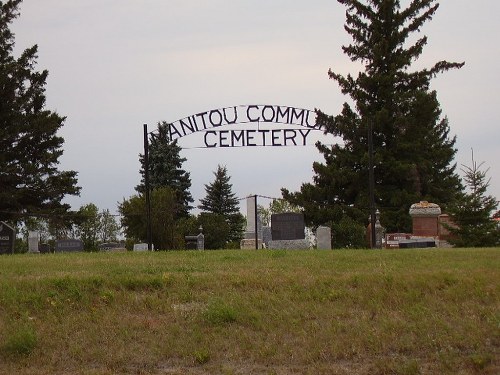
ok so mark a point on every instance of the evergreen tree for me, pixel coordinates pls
(165, 169)
(472, 214)
(166, 235)
(220, 200)
(413, 158)
(29, 146)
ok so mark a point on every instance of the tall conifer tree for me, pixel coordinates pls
(165, 166)
(472, 214)
(413, 151)
(30, 182)
(220, 200)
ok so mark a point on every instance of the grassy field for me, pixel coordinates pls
(252, 312)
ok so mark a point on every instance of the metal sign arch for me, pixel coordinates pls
(211, 122)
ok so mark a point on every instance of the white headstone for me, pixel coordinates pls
(33, 240)
(324, 238)
(141, 247)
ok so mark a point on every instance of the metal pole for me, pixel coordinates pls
(371, 184)
(149, 232)
(256, 226)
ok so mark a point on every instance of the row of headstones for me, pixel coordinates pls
(8, 238)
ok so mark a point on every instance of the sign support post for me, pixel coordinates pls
(149, 232)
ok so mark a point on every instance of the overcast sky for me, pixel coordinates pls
(115, 65)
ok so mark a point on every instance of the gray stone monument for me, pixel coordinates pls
(248, 242)
(7, 238)
(140, 247)
(266, 235)
(324, 238)
(33, 241)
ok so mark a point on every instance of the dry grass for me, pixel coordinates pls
(247, 312)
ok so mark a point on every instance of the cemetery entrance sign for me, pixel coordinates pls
(210, 123)
(301, 123)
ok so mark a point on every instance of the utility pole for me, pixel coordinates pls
(149, 232)
(256, 226)
(371, 184)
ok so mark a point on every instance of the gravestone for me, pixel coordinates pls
(379, 231)
(44, 248)
(69, 246)
(195, 242)
(33, 241)
(324, 238)
(7, 238)
(288, 226)
(392, 239)
(140, 247)
(248, 242)
(415, 243)
(251, 224)
(288, 231)
(266, 235)
(425, 218)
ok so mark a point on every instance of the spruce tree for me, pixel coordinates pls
(165, 169)
(413, 151)
(221, 201)
(30, 182)
(472, 214)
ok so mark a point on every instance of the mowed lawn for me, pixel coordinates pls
(409, 311)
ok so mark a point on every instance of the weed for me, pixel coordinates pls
(480, 361)
(143, 283)
(21, 341)
(201, 356)
(219, 313)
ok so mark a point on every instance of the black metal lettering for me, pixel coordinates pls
(248, 113)
(202, 115)
(291, 137)
(299, 115)
(264, 117)
(184, 126)
(235, 116)
(284, 116)
(223, 137)
(210, 117)
(206, 143)
(264, 133)
(192, 121)
(307, 120)
(275, 137)
(174, 131)
(235, 138)
(304, 133)
(250, 138)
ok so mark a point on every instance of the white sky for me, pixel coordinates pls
(117, 64)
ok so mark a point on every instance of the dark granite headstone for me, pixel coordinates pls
(68, 245)
(7, 238)
(45, 248)
(191, 242)
(288, 226)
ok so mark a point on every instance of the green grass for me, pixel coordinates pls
(422, 311)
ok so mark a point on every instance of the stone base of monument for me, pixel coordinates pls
(289, 244)
(249, 244)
